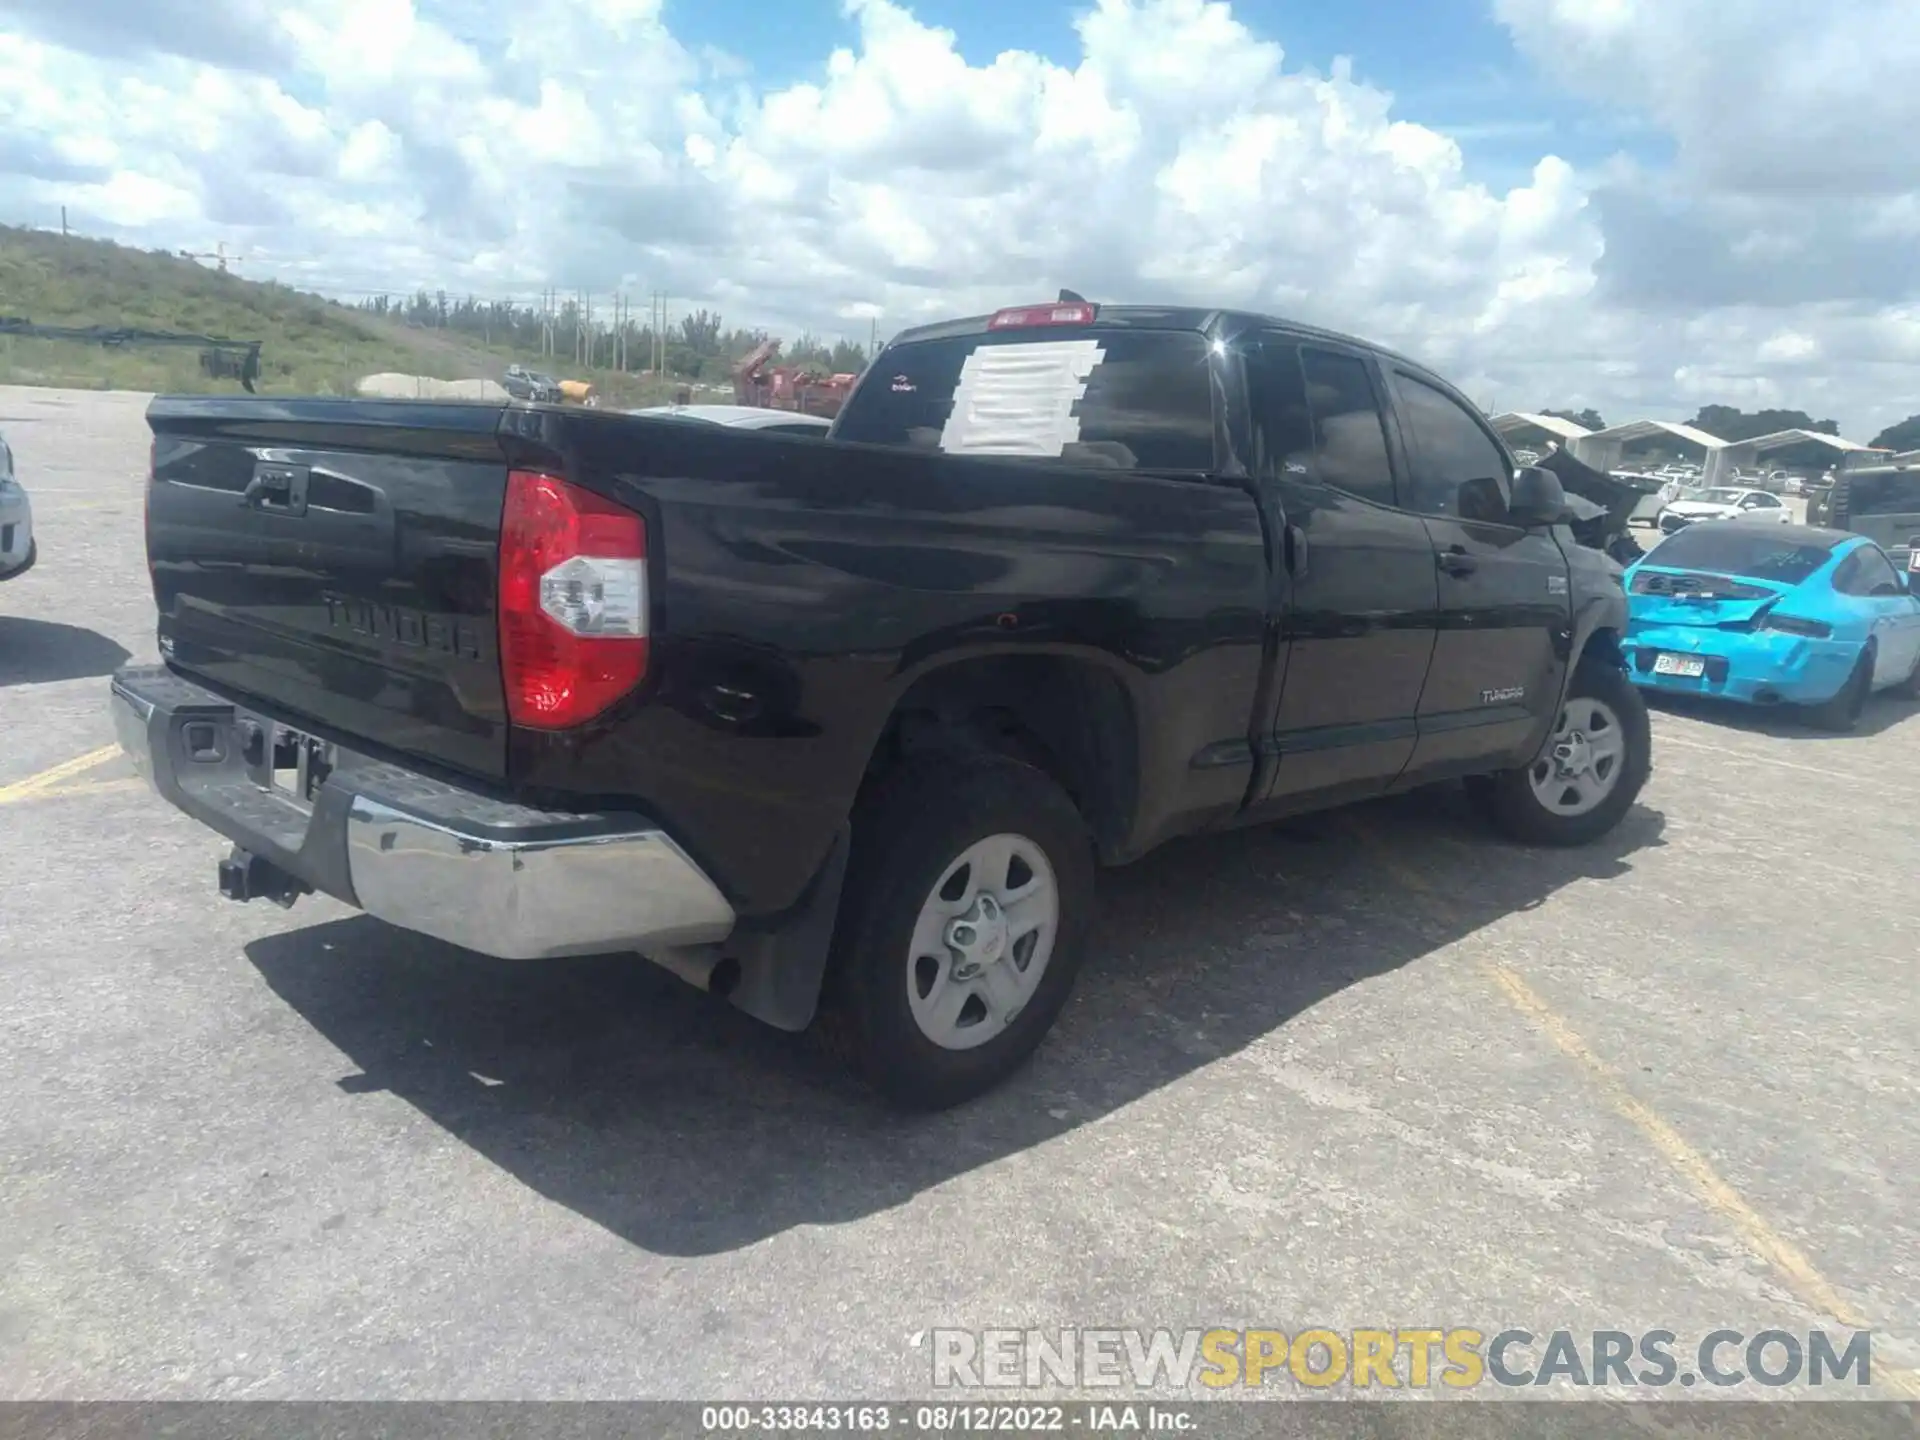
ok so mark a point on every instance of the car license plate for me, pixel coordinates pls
(1687, 666)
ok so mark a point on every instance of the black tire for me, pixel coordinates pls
(906, 835)
(1508, 799)
(1843, 711)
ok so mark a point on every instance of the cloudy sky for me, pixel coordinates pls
(1641, 205)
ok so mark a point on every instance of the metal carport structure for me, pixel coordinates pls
(1517, 427)
(1742, 453)
(1602, 449)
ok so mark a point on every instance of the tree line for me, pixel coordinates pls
(699, 347)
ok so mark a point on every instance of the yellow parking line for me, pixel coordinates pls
(1800, 1273)
(91, 787)
(46, 779)
(1779, 1252)
(1740, 753)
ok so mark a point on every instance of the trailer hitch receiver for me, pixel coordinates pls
(246, 876)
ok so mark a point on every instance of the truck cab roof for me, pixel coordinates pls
(1213, 321)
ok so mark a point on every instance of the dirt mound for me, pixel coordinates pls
(392, 386)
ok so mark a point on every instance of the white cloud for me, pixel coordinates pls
(486, 144)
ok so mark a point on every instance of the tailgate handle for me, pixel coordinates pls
(281, 488)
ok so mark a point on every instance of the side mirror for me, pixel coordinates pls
(1538, 499)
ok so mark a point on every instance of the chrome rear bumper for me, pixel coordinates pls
(487, 874)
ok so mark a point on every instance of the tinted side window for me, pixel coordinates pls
(1113, 399)
(1876, 573)
(1457, 469)
(1846, 575)
(1349, 437)
(1894, 494)
(1277, 398)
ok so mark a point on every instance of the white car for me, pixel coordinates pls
(1724, 503)
(17, 549)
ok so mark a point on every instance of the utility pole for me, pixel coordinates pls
(64, 232)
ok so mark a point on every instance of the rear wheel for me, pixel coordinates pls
(1843, 711)
(966, 913)
(1593, 769)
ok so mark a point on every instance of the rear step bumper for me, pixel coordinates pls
(493, 876)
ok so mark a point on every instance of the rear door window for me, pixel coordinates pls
(1349, 437)
(1109, 399)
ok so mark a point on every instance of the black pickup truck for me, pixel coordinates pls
(840, 728)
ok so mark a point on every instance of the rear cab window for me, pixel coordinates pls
(1743, 551)
(1116, 399)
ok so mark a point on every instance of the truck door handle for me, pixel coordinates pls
(1296, 550)
(1456, 561)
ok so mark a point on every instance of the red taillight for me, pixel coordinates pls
(573, 601)
(1794, 625)
(1022, 316)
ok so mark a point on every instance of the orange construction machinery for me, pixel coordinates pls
(757, 381)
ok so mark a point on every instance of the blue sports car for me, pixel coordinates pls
(1773, 615)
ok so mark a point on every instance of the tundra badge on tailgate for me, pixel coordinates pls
(399, 625)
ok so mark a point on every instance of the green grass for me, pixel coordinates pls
(309, 345)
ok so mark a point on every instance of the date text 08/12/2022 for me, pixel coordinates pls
(948, 1418)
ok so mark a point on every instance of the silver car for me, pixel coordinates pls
(17, 549)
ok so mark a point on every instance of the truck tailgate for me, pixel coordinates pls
(336, 562)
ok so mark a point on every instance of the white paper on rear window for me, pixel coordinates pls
(1019, 399)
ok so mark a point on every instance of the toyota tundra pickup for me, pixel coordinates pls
(840, 728)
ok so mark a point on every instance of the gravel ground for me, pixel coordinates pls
(1374, 1069)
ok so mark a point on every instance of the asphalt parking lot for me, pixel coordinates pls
(1375, 1069)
